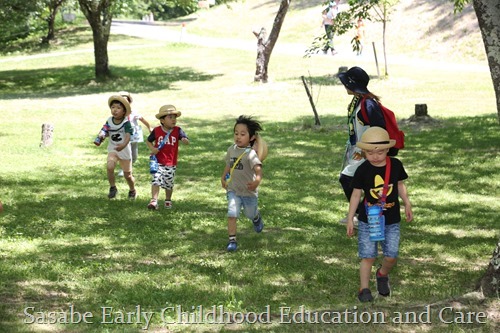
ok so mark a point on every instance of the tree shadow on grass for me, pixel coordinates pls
(79, 80)
(77, 247)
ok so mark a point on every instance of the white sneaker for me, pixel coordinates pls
(120, 173)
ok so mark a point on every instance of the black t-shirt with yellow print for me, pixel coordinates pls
(370, 179)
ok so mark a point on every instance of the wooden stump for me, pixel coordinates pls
(47, 131)
(421, 110)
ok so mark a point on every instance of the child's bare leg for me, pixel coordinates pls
(155, 191)
(387, 265)
(168, 194)
(126, 166)
(365, 271)
(110, 170)
(130, 180)
(231, 226)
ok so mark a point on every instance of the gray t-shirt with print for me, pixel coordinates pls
(244, 172)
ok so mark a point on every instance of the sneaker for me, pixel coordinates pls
(167, 204)
(112, 192)
(258, 224)
(132, 194)
(232, 246)
(383, 284)
(120, 173)
(365, 295)
(153, 204)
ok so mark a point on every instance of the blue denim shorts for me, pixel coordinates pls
(235, 203)
(369, 249)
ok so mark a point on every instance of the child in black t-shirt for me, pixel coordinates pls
(369, 179)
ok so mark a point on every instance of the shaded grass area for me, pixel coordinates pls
(64, 81)
(64, 243)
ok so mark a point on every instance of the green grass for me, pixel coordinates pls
(62, 242)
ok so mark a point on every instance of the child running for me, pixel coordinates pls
(241, 177)
(164, 144)
(119, 130)
(380, 178)
(137, 136)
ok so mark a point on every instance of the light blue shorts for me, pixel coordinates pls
(235, 203)
(369, 249)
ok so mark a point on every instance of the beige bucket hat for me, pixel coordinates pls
(122, 100)
(165, 110)
(375, 138)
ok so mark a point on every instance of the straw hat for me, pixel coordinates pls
(122, 100)
(127, 95)
(375, 138)
(165, 110)
(355, 79)
(260, 147)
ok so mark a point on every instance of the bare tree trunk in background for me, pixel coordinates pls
(54, 6)
(265, 47)
(488, 12)
(99, 15)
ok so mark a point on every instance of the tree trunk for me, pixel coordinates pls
(488, 12)
(317, 122)
(98, 14)
(50, 29)
(384, 28)
(489, 283)
(265, 47)
(54, 6)
(262, 57)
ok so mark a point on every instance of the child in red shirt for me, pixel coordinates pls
(164, 144)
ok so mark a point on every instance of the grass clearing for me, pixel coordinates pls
(63, 243)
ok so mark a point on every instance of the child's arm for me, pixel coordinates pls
(149, 142)
(252, 186)
(145, 122)
(403, 193)
(103, 133)
(223, 177)
(151, 147)
(353, 205)
(183, 136)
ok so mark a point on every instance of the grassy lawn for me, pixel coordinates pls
(65, 247)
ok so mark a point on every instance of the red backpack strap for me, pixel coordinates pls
(386, 180)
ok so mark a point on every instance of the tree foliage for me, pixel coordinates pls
(19, 18)
(345, 21)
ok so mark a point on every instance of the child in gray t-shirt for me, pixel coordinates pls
(241, 177)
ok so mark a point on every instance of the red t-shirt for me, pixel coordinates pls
(168, 153)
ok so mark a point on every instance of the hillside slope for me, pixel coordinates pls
(426, 29)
